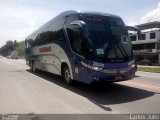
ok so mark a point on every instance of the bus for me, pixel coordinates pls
(88, 47)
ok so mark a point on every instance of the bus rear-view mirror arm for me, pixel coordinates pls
(132, 28)
(82, 26)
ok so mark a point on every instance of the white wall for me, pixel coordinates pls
(158, 35)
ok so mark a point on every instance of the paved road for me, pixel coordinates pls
(24, 92)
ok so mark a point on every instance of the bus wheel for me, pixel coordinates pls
(67, 75)
(33, 67)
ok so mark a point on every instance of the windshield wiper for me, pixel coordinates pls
(113, 43)
(124, 53)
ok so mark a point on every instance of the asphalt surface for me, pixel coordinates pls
(23, 92)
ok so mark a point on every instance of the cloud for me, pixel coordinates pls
(19, 21)
(132, 23)
(151, 16)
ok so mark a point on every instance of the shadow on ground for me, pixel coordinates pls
(101, 94)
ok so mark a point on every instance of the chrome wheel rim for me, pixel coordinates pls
(34, 69)
(67, 75)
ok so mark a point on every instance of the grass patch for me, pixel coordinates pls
(155, 69)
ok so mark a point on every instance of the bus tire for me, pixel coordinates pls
(67, 75)
(33, 67)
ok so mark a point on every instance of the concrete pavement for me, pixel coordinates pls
(24, 92)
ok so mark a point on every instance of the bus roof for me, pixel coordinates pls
(85, 12)
(69, 12)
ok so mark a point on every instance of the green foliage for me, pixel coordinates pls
(21, 48)
(149, 69)
(11, 46)
(7, 48)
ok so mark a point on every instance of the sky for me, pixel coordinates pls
(19, 18)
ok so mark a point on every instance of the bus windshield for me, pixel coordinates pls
(108, 39)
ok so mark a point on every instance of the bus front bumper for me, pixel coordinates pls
(100, 76)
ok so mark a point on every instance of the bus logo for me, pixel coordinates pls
(45, 49)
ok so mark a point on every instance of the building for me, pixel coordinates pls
(147, 48)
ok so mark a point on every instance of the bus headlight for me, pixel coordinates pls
(96, 68)
(133, 66)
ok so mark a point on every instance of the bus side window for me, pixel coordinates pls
(29, 42)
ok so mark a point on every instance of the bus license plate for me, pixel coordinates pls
(118, 78)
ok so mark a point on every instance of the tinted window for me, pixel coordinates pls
(138, 47)
(45, 37)
(29, 42)
(144, 46)
(133, 37)
(74, 33)
(60, 34)
(108, 39)
(143, 36)
(75, 39)
(152, 35)
(54, 31)
(158, 46)
(150, 46)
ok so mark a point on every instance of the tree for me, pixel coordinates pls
(7, 48)
(21, 48)
(11, 46)
(15, 44)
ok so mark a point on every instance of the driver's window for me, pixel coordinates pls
(76, 39)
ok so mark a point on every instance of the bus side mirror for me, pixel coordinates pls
(82, 26)
(131, 28)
